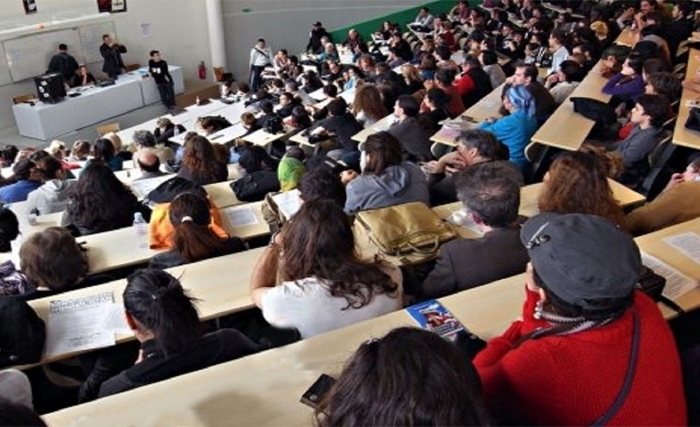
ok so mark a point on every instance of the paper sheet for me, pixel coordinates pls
(144, 186)
(115, 321)
(77, 324)
(241, 216)
(686, 243)
(288, 203)
(677, 283)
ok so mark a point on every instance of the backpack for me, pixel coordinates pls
(253, 187)
(22, 333)
(274, 125)
(169, 189)
(13, 282)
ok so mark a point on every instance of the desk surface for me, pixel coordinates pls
(681, 135)
(262, 138)
(380, 125)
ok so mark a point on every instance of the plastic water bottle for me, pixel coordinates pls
(141, 229)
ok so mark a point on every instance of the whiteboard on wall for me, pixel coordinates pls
(29, 56)
(5, 78)
(91, 39)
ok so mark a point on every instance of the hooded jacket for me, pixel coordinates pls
(51, 197)
(397, 185)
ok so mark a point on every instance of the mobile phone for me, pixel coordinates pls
(317, 391)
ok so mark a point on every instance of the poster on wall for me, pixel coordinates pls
(111, 6)
(29, 6)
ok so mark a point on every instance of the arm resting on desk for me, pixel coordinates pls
(264, 276)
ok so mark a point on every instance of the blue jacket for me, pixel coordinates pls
(515, 131)
(18, 191)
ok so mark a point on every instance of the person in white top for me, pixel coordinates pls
(564, 81)
(325, 285)
(559, 51)
(260, 57)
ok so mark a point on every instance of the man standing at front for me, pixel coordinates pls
(112, 54)
(159, 71)
(63, 63)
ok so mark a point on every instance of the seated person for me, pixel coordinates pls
(563, 82)
(212, 124)
(268, 112)
(165, 321)
(325, 285)
(344, 126)
(52, 196)
(367, 105)
(490, 193)
(436, 100)
(677, 203)
(148, 164)
(383, 384)
(286, 105)
(628, 84)
(291, 168)
(26, 179)
(83, 77)
(9, 226)
(385, 180)
(489, 62)
(413, 137)
(323, 184)
(583, 323)
(166, 129)
(145, 141)
(193, 239)
(104, 151)
(200, 164)
(516, 129)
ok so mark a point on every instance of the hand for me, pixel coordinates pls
(452, 158)
(140, 358)
(347, 176)
(552, 79)
(490, 120)
(676, 178)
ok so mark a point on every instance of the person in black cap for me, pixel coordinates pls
(317, 33)
(587, 338)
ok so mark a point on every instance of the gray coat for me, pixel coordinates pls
(397, 185)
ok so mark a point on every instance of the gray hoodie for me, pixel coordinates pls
(395, 186)
(50, 197)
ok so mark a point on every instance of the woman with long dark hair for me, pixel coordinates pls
(165, 321)
(325, 285)
(199, 163)
(193, 239)
(99, 202)
(103, 151)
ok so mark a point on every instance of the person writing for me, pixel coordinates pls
(160, 73)
(112, 54)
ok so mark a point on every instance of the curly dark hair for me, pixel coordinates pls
(200, 159)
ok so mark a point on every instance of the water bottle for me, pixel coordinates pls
(176, 132)
(141, 229)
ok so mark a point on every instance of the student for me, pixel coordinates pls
(564, 81)
(583, 323)
(112, 54)
(344, 126)
(199, 163)
(385, 179)
(515, 129)
(212, 124)
(315, 46)
(52, 261)
(490, 193)
(526, 75)
(489, 62)
(64, 64)
(326, 286)
(413, 137)
(408, 377)
(677, 203)
(52, 196)
(436, 100)
(144, 140)
(411, 78)
(443, 80)
(99, 202)
(27, 179)
(286, 105)
(291, 168)
(83, 77)
(423, 22)
(9, 227)
(193, 239)
(158, 69)
(474, 84)
(103, 151)
(165, 322)
(80, 151)
(166, 129)
(321, 184)
(148, 164)
(628, 84)
(260, 57)
(577, 183)
(367, 105)
(557, 45)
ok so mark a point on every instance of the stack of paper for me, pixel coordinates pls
(677, 283)
(288, 203)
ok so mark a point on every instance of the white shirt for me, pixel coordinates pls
(560, 55)
(259, 58)
(308, 306)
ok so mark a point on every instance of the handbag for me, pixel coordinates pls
(408, 228)
(693, 121)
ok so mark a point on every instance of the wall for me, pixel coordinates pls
(286, 24)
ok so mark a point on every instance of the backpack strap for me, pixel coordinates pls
(627, 384)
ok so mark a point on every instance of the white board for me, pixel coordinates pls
(29, 56)
(5, 78)
(91, 39)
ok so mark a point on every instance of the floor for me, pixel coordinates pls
(10, 136)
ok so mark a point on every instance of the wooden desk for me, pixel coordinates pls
(218, 294)
(247, 231)
(682, 136)
(240, 392)
(263, 139)
(222, 195)
(381, 125)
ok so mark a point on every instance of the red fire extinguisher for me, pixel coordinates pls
(202, 71)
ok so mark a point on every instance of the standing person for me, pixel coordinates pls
(160, 73)
(63, 63)
(259, 59)
(112, 54)
(315, 44)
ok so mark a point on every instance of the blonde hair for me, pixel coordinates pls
(115, 140)
(56, 149)
(410, 73)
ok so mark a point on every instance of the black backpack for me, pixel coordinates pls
(169, 189)
(274, 125)
(253, 187)
(22, 333)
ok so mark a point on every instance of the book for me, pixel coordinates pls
(433, 316)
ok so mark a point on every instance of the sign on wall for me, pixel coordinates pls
(111, 6)
(29, 6)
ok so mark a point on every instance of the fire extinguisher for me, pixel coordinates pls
(202, 71)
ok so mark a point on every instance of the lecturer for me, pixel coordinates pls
(63, 63)
(112, 54)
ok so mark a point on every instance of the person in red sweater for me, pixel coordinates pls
(567, 360)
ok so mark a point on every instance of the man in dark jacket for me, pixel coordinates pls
(112, 54)
(317, 33)
(158, 69)
(63, 63)
(411, 134)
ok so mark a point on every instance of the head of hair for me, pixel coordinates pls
(636, 63)
(8, 154)
(53, 259)
(300, 117)
(164, 122)
(62, 46)
(653, 65)
(577, 183)
(382, 151)
(255, 158)
(486, 144)
(428, 63)
(368, 99)
(248, 119)
(243, 87)
(144, 138)
(665, 84)
(9, 228)
(81, 149)
(337, 108)
(24, 169)
(491, 191)
(105, 36)
(489, 57)
(200, 158)
(192, 238)
(322, 184)
(48, 168)
(445, 76)
(438, 97)
(157, 301)
(410, 377)
(330, 91)
(443, 52)
(103, 150)
(320, 241)
(153, 52)
(570, 69)
(655, 106)
(267, 107)
(560, 36)
(529, 71)
(409, 105)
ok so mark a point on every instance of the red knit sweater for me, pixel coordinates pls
(573, 380)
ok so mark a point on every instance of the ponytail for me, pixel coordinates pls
(195, 242)
(159, 303)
